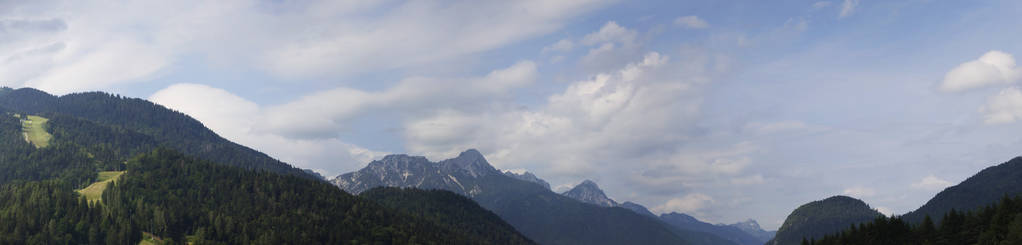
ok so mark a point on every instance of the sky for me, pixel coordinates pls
(724, 110)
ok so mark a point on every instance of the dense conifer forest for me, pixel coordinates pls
(182, 183)
(995, 224)
(449, 210)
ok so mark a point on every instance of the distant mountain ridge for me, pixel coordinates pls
(526, 176)
(589, 192)
(538, 213)
(752, 228)
(686, 222)
(458, 174)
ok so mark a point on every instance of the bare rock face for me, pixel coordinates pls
(528, 177)
(459, 174)
(589, 192)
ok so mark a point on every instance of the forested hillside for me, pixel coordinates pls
(178, 199)
(985, 188)
(180, 183)
(138, 125)
(994, 224)
(819, 218)
(449, 210)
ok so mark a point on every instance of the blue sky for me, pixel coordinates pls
(726, 110)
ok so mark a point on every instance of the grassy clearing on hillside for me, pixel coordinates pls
(94, 192)
(34, 131)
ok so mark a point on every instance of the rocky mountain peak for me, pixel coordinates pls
(680, 218)
(528, 177)
(751, 224)
(589, 192)
(471, 162)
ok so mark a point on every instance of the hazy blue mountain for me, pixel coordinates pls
(637, 208)
(543, 216)
(528, 177)
(686, 222)
(448, 210)
(819, 218)
(751, 227)
(589, 192)
(985, 188)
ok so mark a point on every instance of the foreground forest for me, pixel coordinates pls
(178, 198)
(995, 224)
(180, 183)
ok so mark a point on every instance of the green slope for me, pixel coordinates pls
(94, 192)
(34, 128)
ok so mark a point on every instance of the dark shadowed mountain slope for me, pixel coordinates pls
(543, 216)
(637, 208)
(818, 218)
(449, 210)
(985, 188)
(686, 222)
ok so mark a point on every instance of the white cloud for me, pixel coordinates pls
(859, 192)
(611, 47)
(774, 127)
(323, 114)
(932, 183)
(233, 118)
(691, 22)
(221, 111)
(755, 179)
(564, 45)
(820, 5)
(99, 45)
(416, 33)
(1003, 107)
(690, 204)
(993, 68)
(610, 32)
(304, 132)
(797, 24)
(848, 7)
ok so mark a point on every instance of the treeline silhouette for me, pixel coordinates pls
(1000, 223)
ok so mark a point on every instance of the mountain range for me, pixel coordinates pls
(177, 181)
(544, 216)
(507, 194)
(748, 233)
